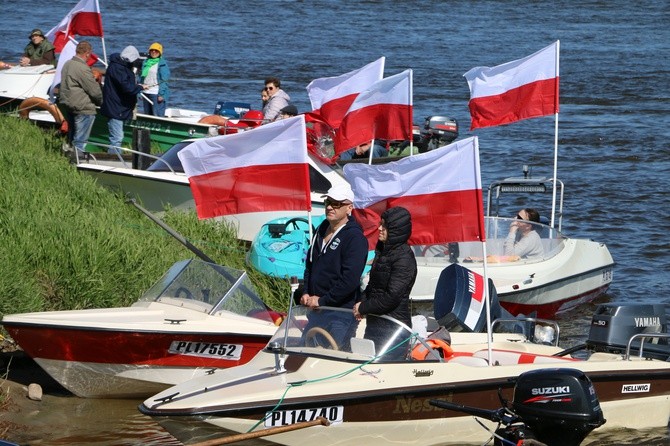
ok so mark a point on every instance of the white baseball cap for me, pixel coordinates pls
(340, 192)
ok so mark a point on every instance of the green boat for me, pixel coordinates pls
(177, 125)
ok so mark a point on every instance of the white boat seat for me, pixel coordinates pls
(469, 361)
(509, 357)
(363, 347)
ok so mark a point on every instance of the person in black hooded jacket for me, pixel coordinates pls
(391, 279)
(119, 94)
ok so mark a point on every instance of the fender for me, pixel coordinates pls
(44, 104)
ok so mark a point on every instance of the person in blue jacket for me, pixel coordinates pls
(335, 263)
(119, 94)
(155, 76)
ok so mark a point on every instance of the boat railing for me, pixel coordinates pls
(642, 337)
(91, 156)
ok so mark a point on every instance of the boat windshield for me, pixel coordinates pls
(210, 288)
(497, 228)
(334, 332)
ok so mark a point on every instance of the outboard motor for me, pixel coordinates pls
(437, 131)
(559, 406)
(613, 324)
(552, 406)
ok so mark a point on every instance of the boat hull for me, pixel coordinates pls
(390, 403)
(580, 272)
(124, 353)
(164, 131)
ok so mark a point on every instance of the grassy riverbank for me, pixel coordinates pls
(68, 243)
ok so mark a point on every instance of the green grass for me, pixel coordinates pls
(67, 243)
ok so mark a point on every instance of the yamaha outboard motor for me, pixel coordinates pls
(556, 406)
(613, 324)
(437, 131)
(459, 302)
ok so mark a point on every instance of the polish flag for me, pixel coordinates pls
(331, 97)
(264, 169)
(383, 111)
(442, 190)
(521, 89)
(84, 20)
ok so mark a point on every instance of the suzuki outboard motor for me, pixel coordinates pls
(559, 406)
(555, 406)
(613, 324)
(437, 131)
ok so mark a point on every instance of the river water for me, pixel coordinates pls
(613, 150)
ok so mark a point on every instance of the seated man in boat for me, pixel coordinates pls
(362, 151)
(523, 240)
(39, 51)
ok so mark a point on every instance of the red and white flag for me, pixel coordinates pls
(331, 97)
(521, 89)
(382, 111)
(84, 20)
(264, 169)
(442, 189)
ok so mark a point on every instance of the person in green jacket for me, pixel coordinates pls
(39, 51)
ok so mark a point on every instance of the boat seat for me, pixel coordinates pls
(468, 359)
(510, 357)
(363, 347)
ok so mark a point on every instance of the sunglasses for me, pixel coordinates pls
(519, 217)
(334, 204)
(269, 88)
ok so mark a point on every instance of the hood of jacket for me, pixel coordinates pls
(398, 225)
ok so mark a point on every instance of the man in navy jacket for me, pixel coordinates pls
(335, 263)
(119, 94)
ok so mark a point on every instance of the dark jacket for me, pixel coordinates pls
(42, 54)
(393, 270)
(119, 93)
(334, 273)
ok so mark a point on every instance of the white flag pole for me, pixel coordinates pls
(487, 298)
(411, 107)
(102, 38)
(553, 199)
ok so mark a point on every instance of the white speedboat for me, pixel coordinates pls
(375, 392)
(198, 317)
(165, 184)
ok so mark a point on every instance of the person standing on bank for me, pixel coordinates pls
(119, 94)
(79, 94)
(39, 51)
(154, 77)
(391, 280)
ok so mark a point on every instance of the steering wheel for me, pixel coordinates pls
(294, 221)
(185, 291)
(314, 331)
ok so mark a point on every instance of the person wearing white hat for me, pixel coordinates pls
(335, 262)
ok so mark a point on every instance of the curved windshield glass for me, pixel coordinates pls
(334, 332)
(532, 243)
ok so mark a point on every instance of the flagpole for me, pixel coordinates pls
(411, 107)
(104, 48)
(553, 199)
(487, 298)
